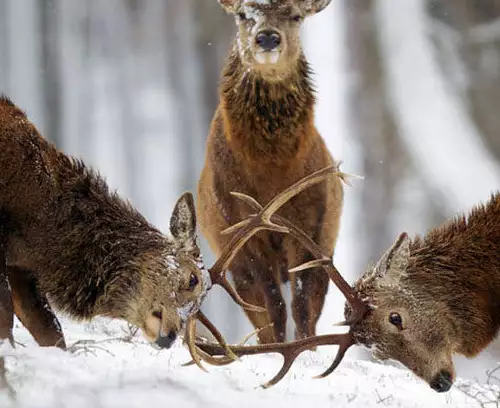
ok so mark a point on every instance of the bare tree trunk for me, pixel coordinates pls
(4, 44)
(24, 82)
(51, 70)
(384, 158)
(214, 34)
(478, 25)
(186, 79)
(433, 121)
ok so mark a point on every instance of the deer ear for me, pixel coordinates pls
(395, 260)
(315, 6)
(391, 267)
(183, 220)
(229, 5)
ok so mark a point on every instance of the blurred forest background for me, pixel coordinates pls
(408, 97)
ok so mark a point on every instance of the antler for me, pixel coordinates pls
(255, 223)
(290, 351)
(243, 232)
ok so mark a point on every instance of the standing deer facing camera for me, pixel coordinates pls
(425, 300)
(262, 140)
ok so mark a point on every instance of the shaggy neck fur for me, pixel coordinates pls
(458, 264)
(267, 120)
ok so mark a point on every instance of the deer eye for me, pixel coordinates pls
(242, 16)
(396, 320)
(193, 281)
(157, 314)
(296, 18)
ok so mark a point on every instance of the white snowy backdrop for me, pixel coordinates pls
(408, 96)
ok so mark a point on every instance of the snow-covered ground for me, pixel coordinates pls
(117, 373)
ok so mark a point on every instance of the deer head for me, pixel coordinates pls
(173, 280)
(407, 323)
(268, 30)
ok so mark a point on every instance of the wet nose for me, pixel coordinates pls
(166, 341)
(442, 382)
(268, 40)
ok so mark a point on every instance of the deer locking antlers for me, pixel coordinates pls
(265, 218)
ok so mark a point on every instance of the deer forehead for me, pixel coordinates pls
(257, 10)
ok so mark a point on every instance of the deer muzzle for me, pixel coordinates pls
(268, 47)
(166, 340)
(442, 382)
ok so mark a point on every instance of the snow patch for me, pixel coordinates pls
(111, 373)
(187, 311)
(172, 262)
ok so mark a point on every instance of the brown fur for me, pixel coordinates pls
(446, 288)
(262, 140)
(65, 235)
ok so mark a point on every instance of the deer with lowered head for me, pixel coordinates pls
(424, 301)
(262, 140)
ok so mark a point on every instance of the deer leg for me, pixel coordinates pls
(6, 308)
(309, 289)
(6, 317)
(315, 283)
(274, 302)
(249, 287)
(300, 311)
(33, 309)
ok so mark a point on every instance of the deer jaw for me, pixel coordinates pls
(173, 281)
(167, 296)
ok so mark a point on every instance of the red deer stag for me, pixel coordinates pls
(262, 140)
(424, 301)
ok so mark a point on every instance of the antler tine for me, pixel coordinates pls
(344, 344)
(198, 355)
(290, 351)
(203, 319)
(228, 358)
(190, 339)
(255, 223)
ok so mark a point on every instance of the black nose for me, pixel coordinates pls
(268, 40)
(442, 382)
(166, 341)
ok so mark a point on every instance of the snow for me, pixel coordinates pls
(114, 373)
